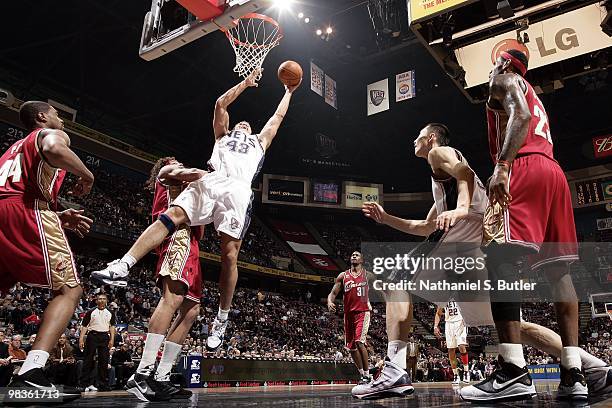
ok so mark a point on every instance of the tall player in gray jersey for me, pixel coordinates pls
(223, 196)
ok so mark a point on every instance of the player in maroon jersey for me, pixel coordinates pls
(35, 250)
(179, 277)
(530, 205)
(356, 312)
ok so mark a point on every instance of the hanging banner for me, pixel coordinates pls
(330, 92)
(378, 97)
(404, 86)
(602, 146)
(316, 79)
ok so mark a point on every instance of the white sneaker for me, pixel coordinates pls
(217, 332)
(507, 383)
(466, 377)
(390, 381)
(456, 379)
(113, 274)
(91, 388)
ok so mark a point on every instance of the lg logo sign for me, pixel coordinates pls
(565, 39)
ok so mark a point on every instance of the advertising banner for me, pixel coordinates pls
(565, 36)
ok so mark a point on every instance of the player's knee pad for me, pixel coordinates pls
(168, 223)
(506, 311)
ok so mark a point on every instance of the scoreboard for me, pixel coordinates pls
(592, 191)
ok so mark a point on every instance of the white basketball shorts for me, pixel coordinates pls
(216, 198)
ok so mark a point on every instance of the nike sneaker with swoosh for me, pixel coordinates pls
(507, 383)
(145, 388)
(115, 274)
(36, 378)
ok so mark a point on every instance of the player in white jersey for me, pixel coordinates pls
(455, 188)
(223, 196)
(455, 331)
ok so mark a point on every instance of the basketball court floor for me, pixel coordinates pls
(438, 395)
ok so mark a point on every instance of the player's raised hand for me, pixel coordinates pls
(374, 211)
(291, 89)
(253, 77)
(331, 306)
(74, 220)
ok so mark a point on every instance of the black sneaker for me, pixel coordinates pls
(146, 388)
(573, 384)
(175, 392)
(507, 383)
(36, 379)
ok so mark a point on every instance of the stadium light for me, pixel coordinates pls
(329, 30)
(282, 4)
(307, 20)
(300, 15)
(319, 31)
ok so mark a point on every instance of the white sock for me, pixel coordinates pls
(590, 361)
(396, 351)
(361, 372)
(34, 359)
(169, 356)
(455, 371)
(512, 353)
(222, 314)
(570, 357)
(129, 260)
(149, 354)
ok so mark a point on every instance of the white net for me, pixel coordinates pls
(252, 39)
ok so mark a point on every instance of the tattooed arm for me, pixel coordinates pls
(507, 90)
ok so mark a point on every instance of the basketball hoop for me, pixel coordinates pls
(609, 310)
(252, 38)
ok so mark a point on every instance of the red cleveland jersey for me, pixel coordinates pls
(26, 176)
(163, 197)
(538, 140)
(355, 292)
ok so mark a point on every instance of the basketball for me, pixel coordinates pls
(290, 73)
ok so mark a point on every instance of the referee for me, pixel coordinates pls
(99, 325)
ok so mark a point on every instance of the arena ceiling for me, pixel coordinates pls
(84, 53)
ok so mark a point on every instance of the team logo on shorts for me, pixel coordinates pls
(61, 266)
(234, 224)
(377, 96)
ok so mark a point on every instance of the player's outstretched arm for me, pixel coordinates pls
(445, 159)
(506, 89)
(55, 147)
(269, 131)
(334, 292)
(415, 227)
(221, 116)
(180, 174)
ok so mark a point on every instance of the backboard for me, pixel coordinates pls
(168, 25)
(601, 304)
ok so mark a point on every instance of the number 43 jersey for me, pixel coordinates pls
(238, 156)
(26, 176)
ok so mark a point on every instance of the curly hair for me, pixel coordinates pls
(150, 184)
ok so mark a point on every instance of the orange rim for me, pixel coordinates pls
(258, 17)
